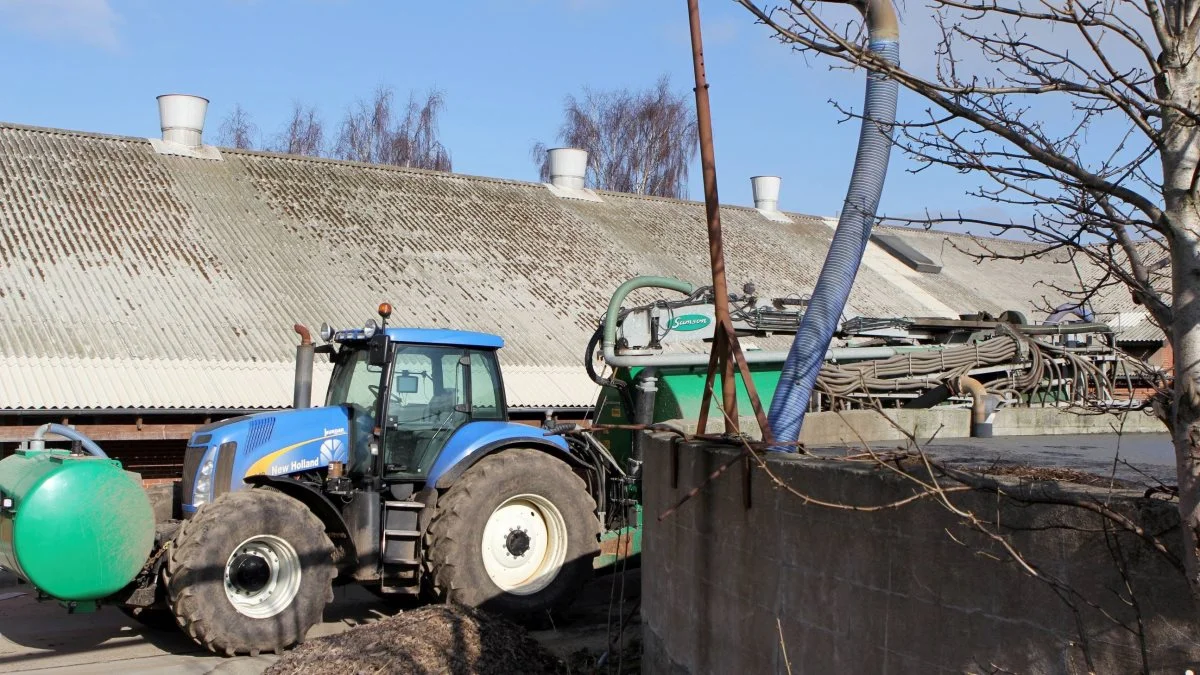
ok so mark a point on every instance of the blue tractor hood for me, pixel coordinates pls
(285, 442)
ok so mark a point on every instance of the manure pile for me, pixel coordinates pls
(435, 639)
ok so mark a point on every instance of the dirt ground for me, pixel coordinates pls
(42, 637)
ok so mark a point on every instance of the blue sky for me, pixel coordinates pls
(504, 67)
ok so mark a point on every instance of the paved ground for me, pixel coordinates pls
(1150, 457)
(42, 637)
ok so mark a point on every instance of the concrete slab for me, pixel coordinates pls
(1140, 458)
(1150, 457)
(42, 637)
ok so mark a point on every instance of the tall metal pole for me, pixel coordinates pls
(716, 251)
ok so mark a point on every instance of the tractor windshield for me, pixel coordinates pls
(432, 391)
(435, 390)
(355, 382)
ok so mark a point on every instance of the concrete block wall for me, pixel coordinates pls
(854, 426)
(728, 589)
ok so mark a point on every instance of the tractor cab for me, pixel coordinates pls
(412, 389)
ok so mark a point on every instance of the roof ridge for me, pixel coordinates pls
(271, 154)
(676, 200)
(53, 131)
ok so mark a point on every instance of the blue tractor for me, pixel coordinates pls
(409, 480)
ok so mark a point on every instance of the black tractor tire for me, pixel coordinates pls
(453, 556)
(195, 574)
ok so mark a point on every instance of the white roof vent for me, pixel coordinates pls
(766, 197)
(181, 117)
(568, 168)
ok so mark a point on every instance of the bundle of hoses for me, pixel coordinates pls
(914, 371)
(1061, 373)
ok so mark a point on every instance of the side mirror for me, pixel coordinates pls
(377, 354)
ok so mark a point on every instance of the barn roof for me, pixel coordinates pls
(130, 278)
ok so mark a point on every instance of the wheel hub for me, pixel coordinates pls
(249, 572)
(262, 576)
(524, 544)
(517, 543)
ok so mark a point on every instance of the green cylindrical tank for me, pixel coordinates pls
(77, 528)
(680, 392)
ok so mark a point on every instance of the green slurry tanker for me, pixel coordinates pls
(59, 510)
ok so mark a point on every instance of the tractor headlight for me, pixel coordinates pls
(369, 328)
(202, 490)
(326, 332)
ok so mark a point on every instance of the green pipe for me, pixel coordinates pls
(618, 298)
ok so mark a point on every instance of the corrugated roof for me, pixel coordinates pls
(79, 383)
(182, 277)
(75, 383)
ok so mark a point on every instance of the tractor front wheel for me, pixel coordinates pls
(516, 534)
(251, 572)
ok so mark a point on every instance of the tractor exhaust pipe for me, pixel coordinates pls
(302, 392)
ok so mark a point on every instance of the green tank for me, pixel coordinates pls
(76, 528)
(680, 393)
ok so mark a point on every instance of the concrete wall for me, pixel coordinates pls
(892, 591)
(851, 427)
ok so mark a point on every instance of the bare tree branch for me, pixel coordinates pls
(304, 133)
(637, 142)
(237, 130)
(370, 132)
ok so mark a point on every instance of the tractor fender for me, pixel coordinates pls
(316, 502)
(450, 466)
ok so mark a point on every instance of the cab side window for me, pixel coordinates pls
(486, 396)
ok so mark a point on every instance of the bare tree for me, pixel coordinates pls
(370, 133)
(304, 133)
(1082, 111)
(639, 142)
(237, 130)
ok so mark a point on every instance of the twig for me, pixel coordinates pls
(783, 646)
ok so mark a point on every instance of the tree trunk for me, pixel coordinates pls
(1179, 154)
(1185, 414)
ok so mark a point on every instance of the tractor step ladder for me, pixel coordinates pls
(399, 546)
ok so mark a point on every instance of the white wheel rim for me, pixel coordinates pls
(524, 544)
(262, 576)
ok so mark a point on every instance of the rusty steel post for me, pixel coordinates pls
(716, 250)
(714, 359)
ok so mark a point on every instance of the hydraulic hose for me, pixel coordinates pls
(849, 243)
(39, 438)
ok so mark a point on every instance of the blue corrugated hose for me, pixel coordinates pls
(824, 310)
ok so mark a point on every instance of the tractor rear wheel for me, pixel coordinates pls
(250, 572)
(516, 534)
